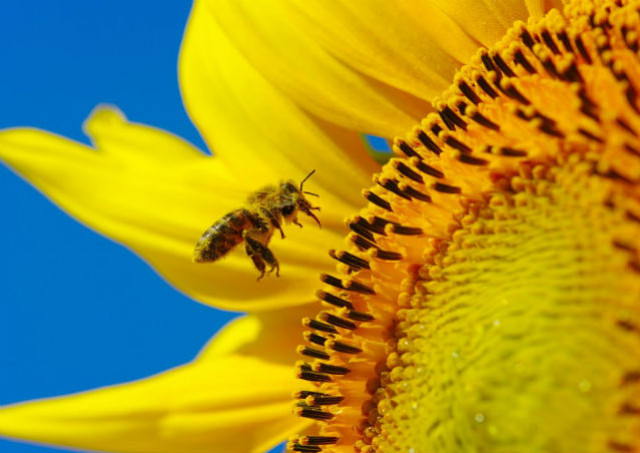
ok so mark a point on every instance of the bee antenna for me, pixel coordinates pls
(306, 177)
(311, 193)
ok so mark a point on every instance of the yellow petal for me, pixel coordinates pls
(159, 205)
(239, 59)
(224, 401)
(408, 44)
(486, 21)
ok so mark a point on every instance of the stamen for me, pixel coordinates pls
(349, 259)
(375, 199)
(317, 325)
(428, 143)
(333, 300)
(311, 352)
(338, 322)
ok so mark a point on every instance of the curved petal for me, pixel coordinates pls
(240, 54)
(408, 44)
(486, 21)
(226, 401)
(159, 206)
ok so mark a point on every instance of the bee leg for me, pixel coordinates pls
(257, 261)
(269, 215)
(260, 254)
(295, 222)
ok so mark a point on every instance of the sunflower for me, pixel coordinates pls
(486, 297)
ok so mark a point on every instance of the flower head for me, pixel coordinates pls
(486, 299)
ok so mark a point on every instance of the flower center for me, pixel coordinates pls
(490, 299)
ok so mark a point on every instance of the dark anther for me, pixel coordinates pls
(514, 94)
(589, 135)
(318, 398)
(405, 230)
(482, 83)
(546, 36)
(446, 188)
(447, 122)
(457, 144)
(349, 259)
(407, 149)
(338, 321)
(358, 228)
(316, 339)
(632, 97)
(392, 186)
(467, 159)
(590, 112)
(333, 300)
(331, 369)
(484, 121)
(327, 400)
(319, 440)
(345, 348)
(627, 325)
(624, 125)
(522, 61)
(362, 243)
(428, 143)
(615, 174)
(306, 448)
(549, 129)
(436, 129)
(572, 74)
(632, 216)
(315, 353)
(468, 92)
(407, 172)
(377, 226)
(360, 316)
(388, 255)
(315, 414)
(631, 377)
(429, 170)
(488, 64)
(503, 66)
(318, 325)
(564, 38)
(349, 285)
(511, 152)
(527, 39)
(582, 49)
(410, 191)
(628, 409)
(550, 67)
(357, 287)
(331, 280)
(313, 377)
(622, 448)
(453, 119)
(584, 97)
(632, 149)
(375, 199)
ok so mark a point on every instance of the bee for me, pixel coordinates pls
(255, 224)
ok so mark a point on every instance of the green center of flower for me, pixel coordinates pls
(519, 331)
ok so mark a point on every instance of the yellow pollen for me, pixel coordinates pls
(489, 296)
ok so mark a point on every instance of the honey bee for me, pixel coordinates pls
(255, 223)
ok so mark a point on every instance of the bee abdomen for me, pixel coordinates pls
(221, 237)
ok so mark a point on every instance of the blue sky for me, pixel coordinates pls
(79, 311)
